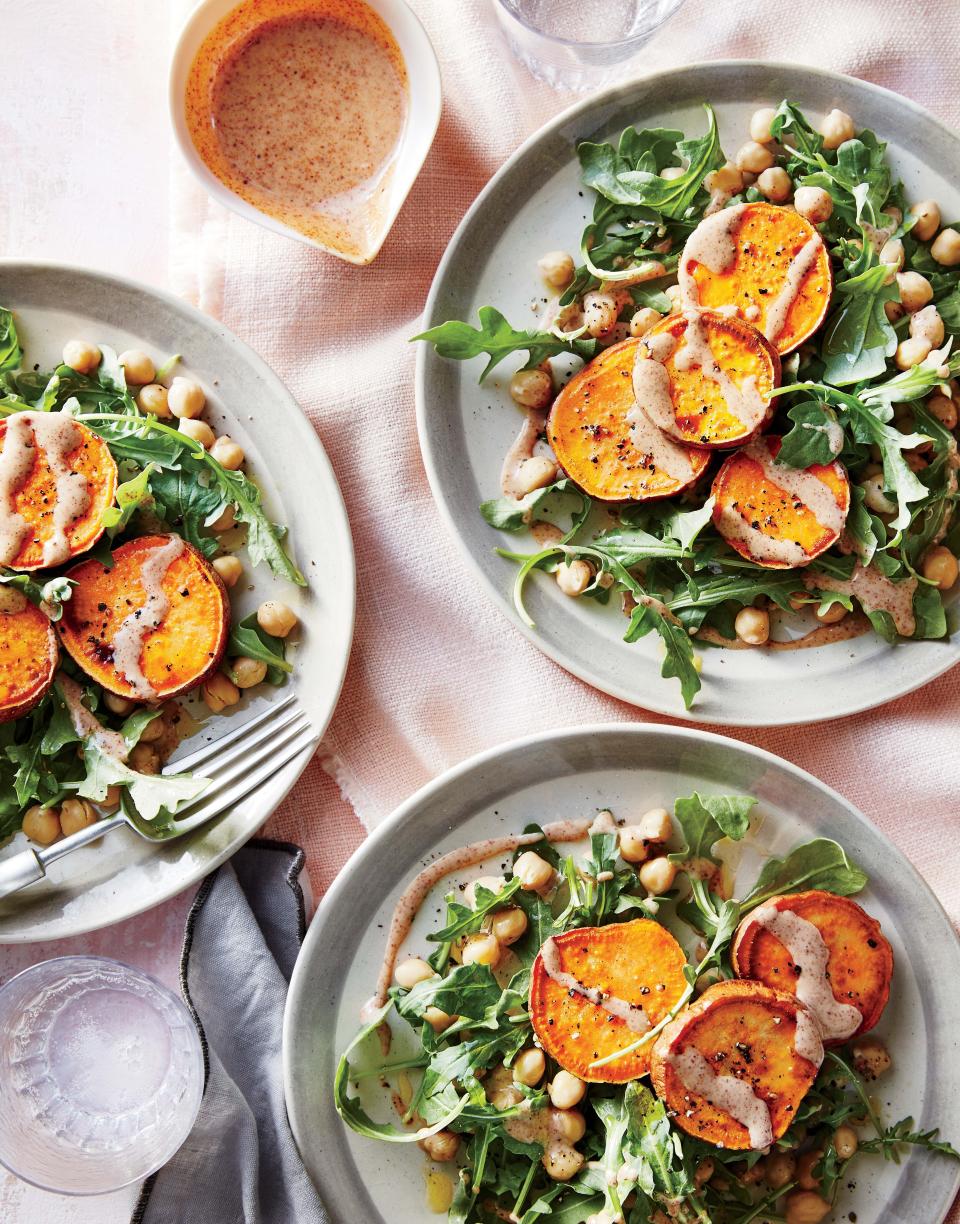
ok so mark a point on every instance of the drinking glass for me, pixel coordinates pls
(101, 1075)
(579, 44)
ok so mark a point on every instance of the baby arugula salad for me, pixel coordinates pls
(601, 1032)
(740, 401)
(121, 513)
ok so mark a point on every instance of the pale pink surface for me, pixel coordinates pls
(437, 674)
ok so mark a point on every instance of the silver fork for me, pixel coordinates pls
(236, 764)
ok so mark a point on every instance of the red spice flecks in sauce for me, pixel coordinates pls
(299, 106)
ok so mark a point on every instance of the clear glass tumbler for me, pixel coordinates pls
(101, 1075)
(580, 44)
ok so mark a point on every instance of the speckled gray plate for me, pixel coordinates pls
(532, 205)
(563, 774)
(124, 875)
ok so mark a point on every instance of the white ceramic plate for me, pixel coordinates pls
(532, 205)
(125, 875)
(571, 774)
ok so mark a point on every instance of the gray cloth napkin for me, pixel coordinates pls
(240, 1164)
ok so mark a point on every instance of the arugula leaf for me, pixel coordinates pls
(813, 437)
(134, 725)
(495, 337)
(902, 1133)
(149, 792)
(821, 863)
(705, 819)
(465, 920)
(791, 121)
(49, 596)
(468, 991)
(510, 514)
(865, 529)
(248, 640)
(858, 337)
(132, 495)
(11, 354)
(188, 503)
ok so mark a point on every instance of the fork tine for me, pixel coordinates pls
(196, 758)
(251, 755)
(204, 810)
(239, 756)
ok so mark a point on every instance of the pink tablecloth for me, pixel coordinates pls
(437, 674)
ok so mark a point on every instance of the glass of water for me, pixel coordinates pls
(579, 44)
(101, 1075)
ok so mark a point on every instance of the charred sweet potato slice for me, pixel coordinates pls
(763, 1039)
(779, 516)
(768, 262)
(638, 967)
(859, 960)
(154, 625)
(706, 379)
(607, 444)
(28, 655)
(56, 459)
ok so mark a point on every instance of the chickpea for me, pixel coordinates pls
(836, 128)
(483, 949)
(727, 180)
(845, 1142)
(600, 314)
(894, 311)
(926, 324)
(442, 1147)
(152, 731)
(138, 367)
(806, 1207)
(111, 800)
(219, 692)
(669, 173)
(531, 388)
(760, 123)
(76, 814)
(573, 579)
(946, 248)
(535, 473)
(754, 157)
(805, 1166)
(753, 626)
(569, 1124)
(42, 824)
(229, 568)
(153, 399)
(505, 1098)
(438, 1020)
(533, 872)
(940, 567)
(529, 1066)
(276, 618)
(927, 214)
(145, 759)
(675, 294)
(704, 1171)
(225, 520)
(562, 1163)
(656, 825)
(911, 352)
(643, 319)
(875, 498)
(409, 972)
(247, 673)
(228, 454)
(944, 409)
(915, 291)
(186, 398)
(633, 845)
(657, 876)
(119, 705)
(814, 203)
(775, 184)
(509, 925)
(198, 431)
(778, 1169)
(81, 356)
(566, 1090)
(871, 1057)
(832, 615)
(557, 268)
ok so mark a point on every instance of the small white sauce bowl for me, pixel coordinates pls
(423, 116)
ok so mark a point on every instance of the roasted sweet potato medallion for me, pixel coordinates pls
(28, 654)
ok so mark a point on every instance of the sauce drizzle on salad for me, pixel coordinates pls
(726, 1092)
(632, 1014)
(129, 638)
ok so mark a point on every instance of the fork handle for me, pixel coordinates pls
(30, 865)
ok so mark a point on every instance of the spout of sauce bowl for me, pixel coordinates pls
(251, 85)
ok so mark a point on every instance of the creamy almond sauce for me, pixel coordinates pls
(853, 625)
(833, 432)
(808, 1038)
(775, 317)
(653, 443)
(534, 423)
(299, 106)
(734, 1096)
(876, 593)
(58, 437)
(632, 1014)
(85, 723)
(540, 1126)
(743, 402)
(713, 244)
(130, 636)
(810, 954)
